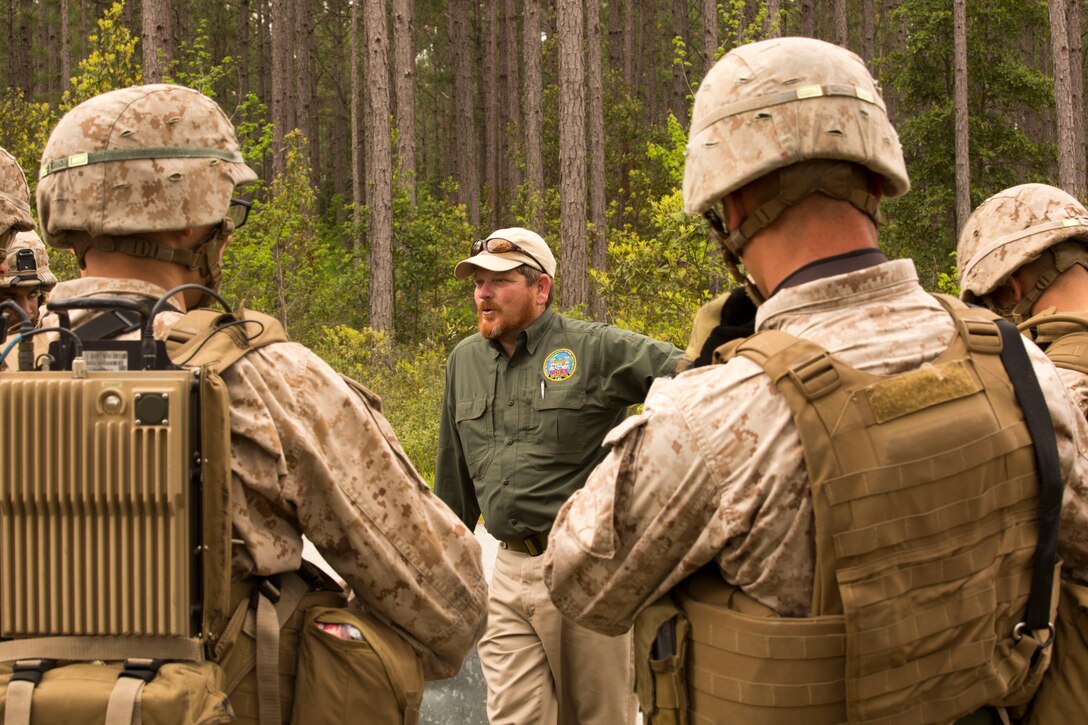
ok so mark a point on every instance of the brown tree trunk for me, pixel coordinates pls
(404, 60)
(678, 102)
(772, 25)
(808, 18)
(358, 197)
(868, 39)
(595, 143)
(379, 164)
(710, 33)
(532, 50)
(840, 33)
(963, 161)
(243, 48)
(629, 44)
(493, 97)
(157, 39)
(65, 48)
(1076, 66)
(510, 112)
(1070, 155)
(573, 246)
(306, 101)
(465, 163)
(283, 86)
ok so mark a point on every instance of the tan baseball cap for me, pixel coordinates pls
(524, 247)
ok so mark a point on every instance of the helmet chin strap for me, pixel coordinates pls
(732, 259)
(204, 258)
(1062, 257)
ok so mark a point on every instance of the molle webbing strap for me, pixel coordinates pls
(26, 674)
(102, 648)
(73, 161)
(1037, 417)
(924, 494)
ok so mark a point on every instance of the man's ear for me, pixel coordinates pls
(543, 288)
(734, 211)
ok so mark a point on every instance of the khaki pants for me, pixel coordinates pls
(543, 669)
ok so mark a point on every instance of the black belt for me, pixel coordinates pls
(533, 545)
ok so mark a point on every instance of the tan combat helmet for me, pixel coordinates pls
(1012, 228)
(142, 159)
(14, 200)
(28, 264)
(770, 105)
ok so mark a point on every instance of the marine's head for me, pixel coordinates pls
(1017, 244)
(28, 279)
(787, 118)
(124, 170)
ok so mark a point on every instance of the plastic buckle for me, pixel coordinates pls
(816, 376)
(534, 546)
(982, 335)
(141, 669)
(31, 670)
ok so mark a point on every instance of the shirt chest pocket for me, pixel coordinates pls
(475, 429)
(556, 420)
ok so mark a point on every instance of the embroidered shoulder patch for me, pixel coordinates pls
(560, 365)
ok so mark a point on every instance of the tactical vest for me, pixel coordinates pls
(926, 502)
(1063, 337)
(116, 538)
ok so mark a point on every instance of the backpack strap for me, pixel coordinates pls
(207, 336)
(124, 704)
(25, 676)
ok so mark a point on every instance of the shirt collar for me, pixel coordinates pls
(881, 280)
(532, 334)
(87, 286)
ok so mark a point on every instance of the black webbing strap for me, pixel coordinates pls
(108, 325)
(1037, 417)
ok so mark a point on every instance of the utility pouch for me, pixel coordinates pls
(377, 679)
(100, 694)
(1063, 694)
(661, 643)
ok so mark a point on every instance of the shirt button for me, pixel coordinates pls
(506, 481)
(509, 402)
(509, 441)
(513, 365)
(513, 522)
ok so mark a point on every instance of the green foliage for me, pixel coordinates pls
(411, 390)
(196, 67)
(24, 129)
(111, 62)
(1003, 89)
(948, 281)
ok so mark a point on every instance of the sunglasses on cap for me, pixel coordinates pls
(238, 212)
(501, 246)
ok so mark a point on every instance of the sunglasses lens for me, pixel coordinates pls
(238, 212)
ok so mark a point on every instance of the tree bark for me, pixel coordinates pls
(510, 115)
(157, 39)
(868, 39)
(465, 158)
(808, 18)
(595, 115)
(772, 25)
(840, 32)
(65, 48)
(283, 86)
(963, 161)
(243, 49)
(492, 148)
(379, 166)
(573, 246)
(357, 192)
(1076, 66)
(678, 101)
(532, 95)
(629, 44)
(404, 59)
(710, 33)
(306, 94)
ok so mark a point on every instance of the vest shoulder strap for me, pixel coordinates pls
(1063, 336)
(207, 336)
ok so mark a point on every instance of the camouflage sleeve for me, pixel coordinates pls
(1071, 431)
(671, 497)
(310, 453)
(1076, 383)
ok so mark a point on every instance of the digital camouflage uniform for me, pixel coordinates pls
(1016, 227)
(310, 455)
(14, 201)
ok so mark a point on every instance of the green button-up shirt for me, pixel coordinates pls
(519, 435)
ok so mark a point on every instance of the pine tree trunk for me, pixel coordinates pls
(379, 166)
(493, 97)
(510, 112)
(283, 86)
(404, 59)
(772, 26)
(243, 49)
(710, 33)
(595, 143)
(306, 110)
(357, 193)
(157, 39)
(963, 161)
(464, 153)
(629, 44)
(65, 48)
(573, 246)
(868, 40)
(1068, 153)
(1076, 65)
(840, 33)
(532, 50)
(808, 18)
(678, 102)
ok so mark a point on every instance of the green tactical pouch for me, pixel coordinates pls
(187, 692)
(660, 675)
(377, 680)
